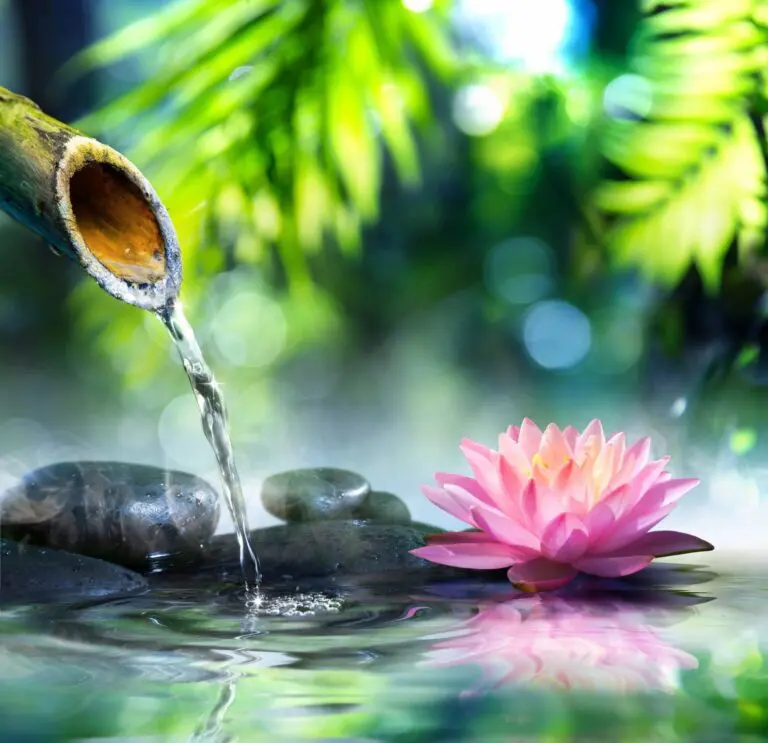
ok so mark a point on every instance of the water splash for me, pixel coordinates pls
(293, 605)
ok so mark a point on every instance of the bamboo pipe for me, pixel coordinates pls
(89, 202)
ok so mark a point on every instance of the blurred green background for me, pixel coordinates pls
(407, 221)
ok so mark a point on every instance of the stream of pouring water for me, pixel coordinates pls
(214, 418)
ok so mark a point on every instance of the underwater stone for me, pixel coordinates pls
(124, 513)
(325, 548)
(314, 494)
(385, 508)
(38, 574)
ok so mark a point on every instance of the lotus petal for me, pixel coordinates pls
(612, 567)
(664, 544)
(541, 574)
(560, 502)
(477, 555)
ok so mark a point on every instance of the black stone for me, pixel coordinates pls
(125, 513)
(322, 549)
(30, 574)
(384, 508)
(426, 529)
(314, 494)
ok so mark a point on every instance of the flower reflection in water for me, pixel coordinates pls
(564, 644)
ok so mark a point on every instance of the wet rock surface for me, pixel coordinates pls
(30, 574)
(314, 494)
(121, 512)
(383, 507)
(162, 522)
(323, 549)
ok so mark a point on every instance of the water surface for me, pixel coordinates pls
(674, 654)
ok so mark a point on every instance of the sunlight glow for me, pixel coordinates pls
(538, 34)
(417, 6)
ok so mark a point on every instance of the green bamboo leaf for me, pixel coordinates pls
(432, 43)
(625, 239)
(347, 228)
(650, 6)
(257, 37)
(414, 94)
(195, 67)
(657, 67)
(736, 37)
(354, 149)
(312, 202)
(175, 19)
(720, 88)
(397, 134)
(760, 13)
(630, 197)
(656, 150)
(716, 222)
(699, 220)
(668, 107)
(174, 135)
(696, 173)
(678, 142)
(386, 98)
(267, 215)
(673, 229)
(700, 16)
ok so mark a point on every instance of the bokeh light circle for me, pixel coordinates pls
(519, 270)
(180, 433)
(250, 330)
(556, 334)
(628, 97)
(477, 110)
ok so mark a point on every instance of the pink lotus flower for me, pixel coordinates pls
(551, 505)
(563, 645)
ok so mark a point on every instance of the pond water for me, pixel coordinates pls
(672, 654)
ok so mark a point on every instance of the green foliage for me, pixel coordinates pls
(270, 117)
(686, 139)
(265, 126)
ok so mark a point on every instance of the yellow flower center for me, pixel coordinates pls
(594, 468)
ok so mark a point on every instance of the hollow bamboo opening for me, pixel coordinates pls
(117, 224)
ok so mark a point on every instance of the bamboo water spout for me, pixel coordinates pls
(89, 202)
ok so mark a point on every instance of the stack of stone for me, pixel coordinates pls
(329, 494)
(336, 525)
(81, 529)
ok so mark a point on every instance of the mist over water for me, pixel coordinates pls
(396, 417)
